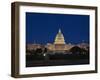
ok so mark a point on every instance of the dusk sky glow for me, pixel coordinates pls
(42, 27)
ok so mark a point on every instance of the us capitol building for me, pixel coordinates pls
(58, 46)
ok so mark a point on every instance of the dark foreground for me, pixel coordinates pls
(56, 60)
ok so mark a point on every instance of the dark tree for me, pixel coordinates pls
(45, 50)
(38, 50)
(76, 49)
(28, 51)
(33, 51)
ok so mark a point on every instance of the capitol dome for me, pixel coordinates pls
(59, 39)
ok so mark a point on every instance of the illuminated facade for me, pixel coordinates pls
(59, 44)
(59, 39)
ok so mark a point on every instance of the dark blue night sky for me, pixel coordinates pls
(42, 27)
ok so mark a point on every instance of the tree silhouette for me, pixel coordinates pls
(45, 50)
(38, 50)
(33, 51)
(76, 49)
